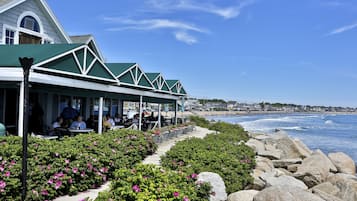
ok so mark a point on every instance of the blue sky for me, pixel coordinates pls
(300, 52)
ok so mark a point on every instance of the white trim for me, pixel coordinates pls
(140, 112)
(100, 116)
(90, 66)
(137, 86)
(10, 5)
(11, 74)
(14, 29)
(91, 39)
(58, 56)
(54, 19)
(85, 60)
(31, 14)
(82, 84)
(77, 62)
(72, 74)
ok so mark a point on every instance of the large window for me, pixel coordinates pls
(29, 22)
(9, 36)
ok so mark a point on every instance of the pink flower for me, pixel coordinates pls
(104, 170)
(194, 176)
(44, 192)
(186, 199)
(74, 170)
(48, 167)
(176, 194)
(2, 169)
(13, 162)
(2, 184)
(83, 174)
(70, 181)
(58, 184)
(50, 181)
(7, 174)
(66, 161)
(56, 154)
(136, 188)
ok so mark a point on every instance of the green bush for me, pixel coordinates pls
(200, 121)
(150, 182)
(221, 153)
(71, 165)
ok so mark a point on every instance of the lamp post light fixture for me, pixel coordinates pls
(26, 64)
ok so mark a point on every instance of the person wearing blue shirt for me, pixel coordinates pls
(78, 124)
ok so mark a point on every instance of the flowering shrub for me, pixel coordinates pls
(149, 182)
(221, 153)
(71, 165)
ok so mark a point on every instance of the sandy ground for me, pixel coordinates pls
(152, 159)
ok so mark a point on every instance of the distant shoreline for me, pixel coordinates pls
(232, 113)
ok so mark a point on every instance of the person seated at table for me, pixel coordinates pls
(117, 119)
(110, 120)
(58, 123)
(69, 113)
(78, 124)
(136, 120)
(106, 124)
(152, 117)
(90, 122)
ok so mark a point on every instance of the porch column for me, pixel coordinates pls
(159, 116)
(176, 107)
(100, 116)
(140, 112)
(20, 123)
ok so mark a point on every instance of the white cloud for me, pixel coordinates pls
(343, 29)
(225, 12)
(151, 24)
(185, 37)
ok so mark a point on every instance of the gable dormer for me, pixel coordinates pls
(29, 22)
(89, 41)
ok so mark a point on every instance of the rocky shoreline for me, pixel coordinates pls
(286, 169)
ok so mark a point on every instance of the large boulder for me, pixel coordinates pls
(327, 191)
(302, 148)
(263, 164)
(247, 195)
(258, 184)
(283, 180)
(218, 187)
(343, 163)
(256, 145)
(314, 169)
(347, 185)
(284, 143)
(285, 193)
(284, 163)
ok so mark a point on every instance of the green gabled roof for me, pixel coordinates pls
(171, 83)
(119, 68)
(10, 54)
(183, 91)
(152, 76)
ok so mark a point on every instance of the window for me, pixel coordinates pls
(9, 37)
(29, 22)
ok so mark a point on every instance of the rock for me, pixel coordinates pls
(314, 169)
(288, 147)
(285, 193)
(246, 195)
(271, 154)
(284, 163)
(326, 196)
(347, 185)
(283, 180)
(293, 168)
(263, 164)
(326, 187)
(327, 191)
(261, 137)
(256, 145)
(285, 172)
(328, 162)
(218, 187)
(270, 147)
(343, 163)
(303, 149)
(257, 184)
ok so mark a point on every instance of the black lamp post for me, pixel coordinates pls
(26, 64)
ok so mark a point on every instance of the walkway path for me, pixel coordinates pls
(152, 159)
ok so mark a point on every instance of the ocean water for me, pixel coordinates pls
(330, 133)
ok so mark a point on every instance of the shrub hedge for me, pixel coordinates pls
(150, 182)
(71, 165)
(221, 153)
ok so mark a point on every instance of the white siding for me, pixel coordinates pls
(11, 16)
